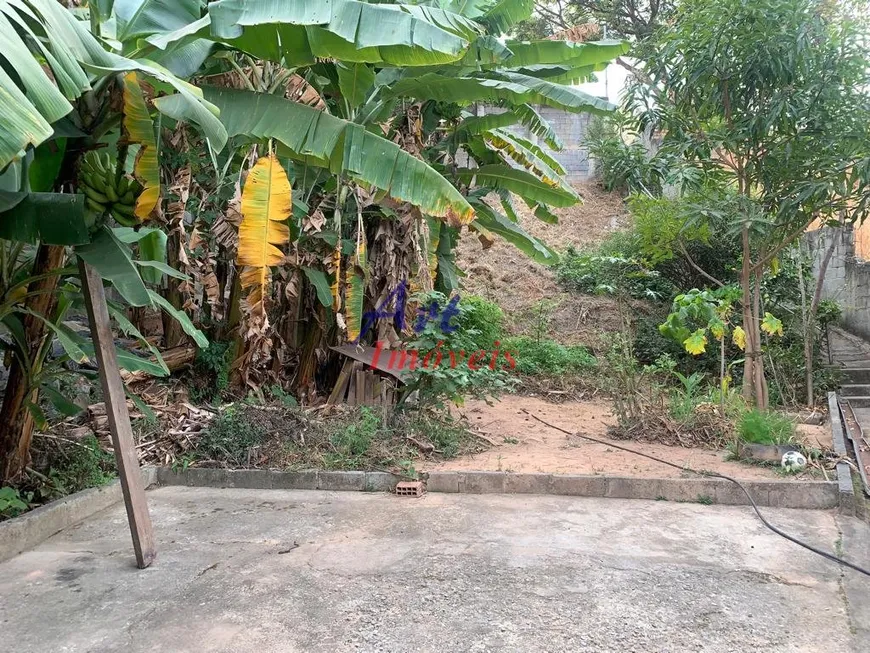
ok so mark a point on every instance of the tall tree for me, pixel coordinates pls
(771, 98)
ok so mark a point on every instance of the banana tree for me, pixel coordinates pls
(394, 173)
(392, 179)
(77, 149)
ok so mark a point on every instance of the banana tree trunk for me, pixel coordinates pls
(16, 421)
(173, 336)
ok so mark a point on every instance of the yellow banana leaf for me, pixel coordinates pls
(354, 291)
(336, 261)
(138, 128)
(266, 204)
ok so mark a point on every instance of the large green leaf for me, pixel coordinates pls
(61, 403)
(510, 87)
(22, 123)
(51, 218)
(538, 125)
(496, 223)
(142, 17)
(321, 284)
(527, 155)
(524, 184)
(69, 52)
(129, 361)
(39, 88)
(180, 317)
(47, 160)
(571, 55)
(341, 146)
(346, 30)
(68, 339)
(355, 82)
(152, 249)
(522, 113)
(114, 261)
(128, 328)
(501, 15)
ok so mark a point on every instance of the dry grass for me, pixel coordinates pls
(505, 275)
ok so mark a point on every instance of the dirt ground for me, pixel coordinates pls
(522, 444)
(504, 274)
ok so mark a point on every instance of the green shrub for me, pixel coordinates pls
(622, 161)
(481, 320)
(605, 271)
(211, 372)
(760, 427)
(473, 330)
(231, 437)
(81, 466)
(545, 357)
(355, 439)
(11, 503)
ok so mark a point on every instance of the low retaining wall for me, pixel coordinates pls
(31, 528)
(816, 495)
(28, 530)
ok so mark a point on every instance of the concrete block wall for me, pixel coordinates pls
(571, 129)
(847, 280)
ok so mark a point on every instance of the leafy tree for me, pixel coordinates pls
(773, 99)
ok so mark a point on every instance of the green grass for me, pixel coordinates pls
(759, 427)
(545, 357)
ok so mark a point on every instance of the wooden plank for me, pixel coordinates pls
(337, 393)
(351, 390)
(369, 388)
(360, 387)
(119, 418)
(377, 384)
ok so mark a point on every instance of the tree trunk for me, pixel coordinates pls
(812, 311)
(173, 335)
(754, 384)
(748, 317)
(16, 422)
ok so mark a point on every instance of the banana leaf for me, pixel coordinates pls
(498, 224)
(341, 146)
(524, 184)
(50, 218)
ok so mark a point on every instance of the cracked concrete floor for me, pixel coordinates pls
(259, 571)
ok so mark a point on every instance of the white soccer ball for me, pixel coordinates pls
(794, 460)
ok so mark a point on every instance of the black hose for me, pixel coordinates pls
(790, 538)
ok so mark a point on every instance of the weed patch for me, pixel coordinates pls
(545, 357)
(758, 427)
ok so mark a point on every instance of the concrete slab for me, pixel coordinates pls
(282, 570)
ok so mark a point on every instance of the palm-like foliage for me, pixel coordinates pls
(380, 148)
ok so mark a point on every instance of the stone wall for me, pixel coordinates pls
(847, 280)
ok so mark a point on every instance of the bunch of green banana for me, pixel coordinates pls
(105, 192)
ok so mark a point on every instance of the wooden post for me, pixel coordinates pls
(119, 417)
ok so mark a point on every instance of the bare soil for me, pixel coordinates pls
(503, 274)
(522, 444)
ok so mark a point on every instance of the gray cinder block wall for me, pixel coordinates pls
(847, 280)
(571, 129)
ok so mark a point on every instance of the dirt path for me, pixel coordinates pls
(525, 445)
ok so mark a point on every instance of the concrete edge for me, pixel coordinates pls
(28, 530)
(813, 495)
(846, 488)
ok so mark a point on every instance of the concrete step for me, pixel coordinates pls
(855, 375)
(855, 390)
(859, 402)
